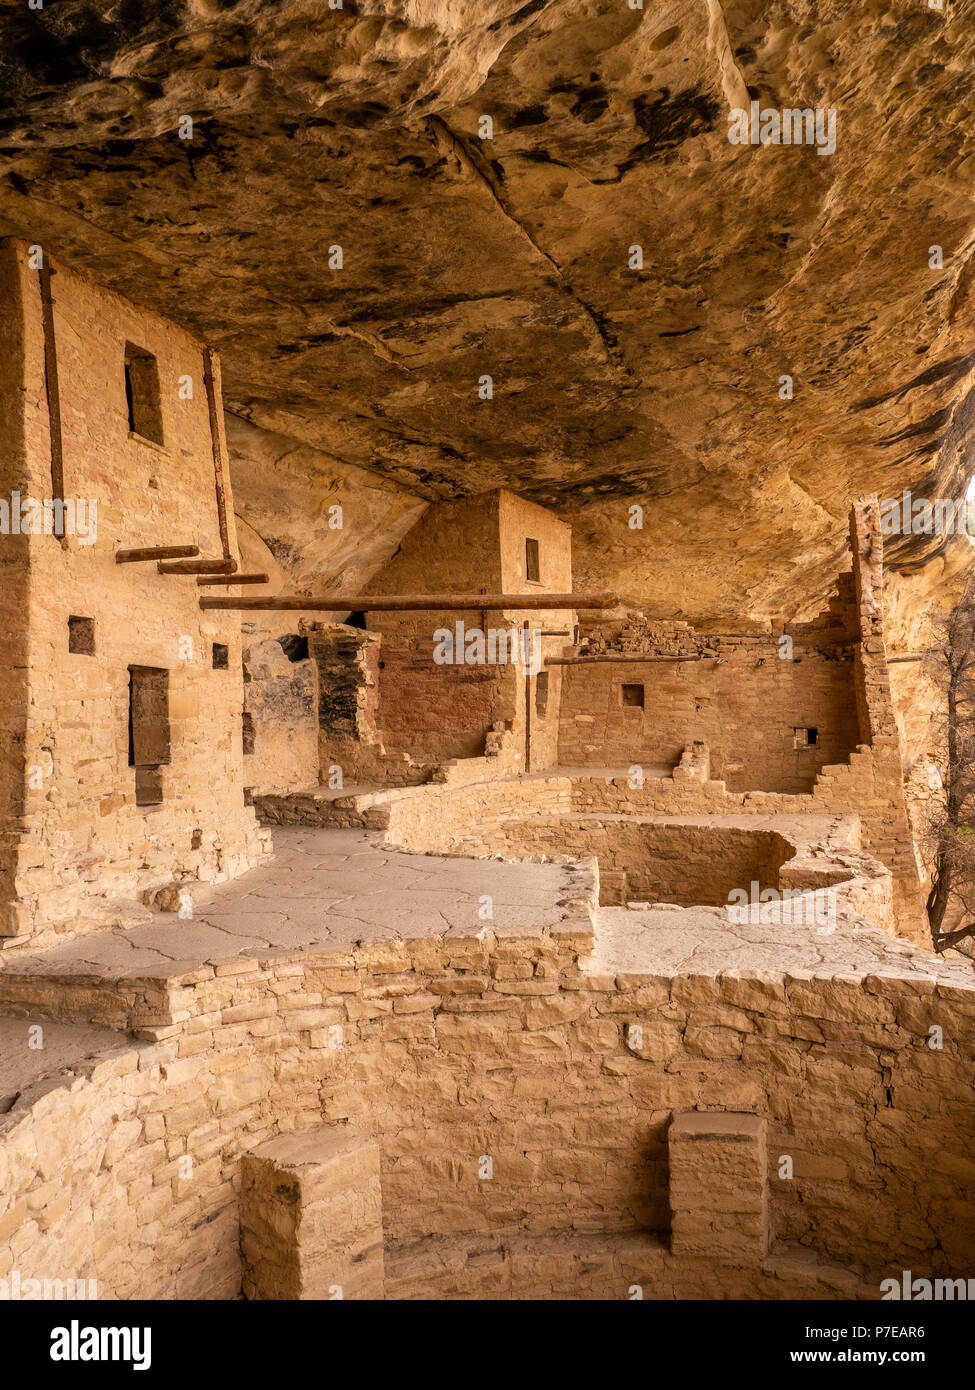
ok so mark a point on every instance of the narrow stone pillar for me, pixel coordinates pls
(718, 1186)
(311, 1217)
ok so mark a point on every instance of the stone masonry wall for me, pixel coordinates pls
(436, 712)
(873, 781)
(473, 817)
(81, 834)
(456, 1050)
(281, 702)
(855, 765)
(444, 818)
(348, 663)
(865, 786)
(14, 595)
(455, 547)
(743, 700)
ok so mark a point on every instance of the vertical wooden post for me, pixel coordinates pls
(53, 395)
(209, 371)
(525, 646)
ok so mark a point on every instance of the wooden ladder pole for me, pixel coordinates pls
(53, 391)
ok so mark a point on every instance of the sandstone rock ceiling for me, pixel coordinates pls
(509, 257)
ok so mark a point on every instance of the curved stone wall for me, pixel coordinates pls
(522, 1050)
(648, 859)
(95, 1181)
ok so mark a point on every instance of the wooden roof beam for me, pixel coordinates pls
(635, 660)
(395, 603)
(155, 552)
(198, 567)
(235, 579)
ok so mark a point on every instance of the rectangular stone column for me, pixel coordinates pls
(311, 1217)
(718, 1186)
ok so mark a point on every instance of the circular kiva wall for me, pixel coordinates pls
(566, 1070)
(652, 861)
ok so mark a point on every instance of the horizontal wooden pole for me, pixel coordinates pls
(628, 660)
(198, 567)
(155, 552)
(393, 603)
(235, 579)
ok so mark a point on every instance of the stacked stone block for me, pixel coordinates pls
(311, 1217)
(718, 1186)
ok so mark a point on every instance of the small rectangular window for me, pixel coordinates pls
(81, 636)
(148, 786)
(532, 568)
(142, 394)
(804, 738)
(632, 696)
(221, 656)
(247, 731)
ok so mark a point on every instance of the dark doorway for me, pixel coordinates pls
(142, 394)
(149, 734)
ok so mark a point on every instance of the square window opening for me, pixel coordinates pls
(81, 636)
(295, 645)
(804, 738)
(142, 394)
(632, 696)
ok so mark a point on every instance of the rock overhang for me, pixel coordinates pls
(508, 256)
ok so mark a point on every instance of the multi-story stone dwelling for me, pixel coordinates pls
(121, 701)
